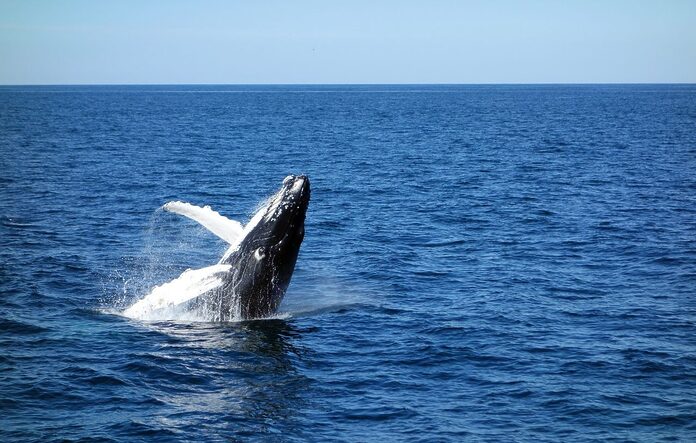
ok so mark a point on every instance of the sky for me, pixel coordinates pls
(355, 41)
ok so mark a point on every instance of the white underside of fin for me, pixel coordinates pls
(229, 230)
(190, 284)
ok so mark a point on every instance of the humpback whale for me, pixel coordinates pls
(252, 276)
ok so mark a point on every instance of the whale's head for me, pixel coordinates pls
(265, 259)
(278, 228)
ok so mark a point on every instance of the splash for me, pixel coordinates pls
(168, 301)
(246, 283)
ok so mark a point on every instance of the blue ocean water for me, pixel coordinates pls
(481, 263)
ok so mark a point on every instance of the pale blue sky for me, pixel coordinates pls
(495, 41)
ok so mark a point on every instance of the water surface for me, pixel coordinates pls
(481, 263)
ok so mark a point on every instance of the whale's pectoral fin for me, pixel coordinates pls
(223, 227)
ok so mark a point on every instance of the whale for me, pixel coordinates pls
(252, 277)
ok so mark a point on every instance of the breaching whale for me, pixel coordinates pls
(251, 278)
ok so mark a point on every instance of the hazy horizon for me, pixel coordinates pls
(351, 84)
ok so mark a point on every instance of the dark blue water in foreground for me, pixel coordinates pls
(482, 263)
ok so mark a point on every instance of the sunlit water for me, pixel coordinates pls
(483, 263)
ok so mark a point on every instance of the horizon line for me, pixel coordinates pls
(354, 84)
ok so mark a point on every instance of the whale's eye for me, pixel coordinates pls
(259, 254)
(288, 179)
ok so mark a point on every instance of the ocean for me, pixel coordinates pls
(481, 263)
